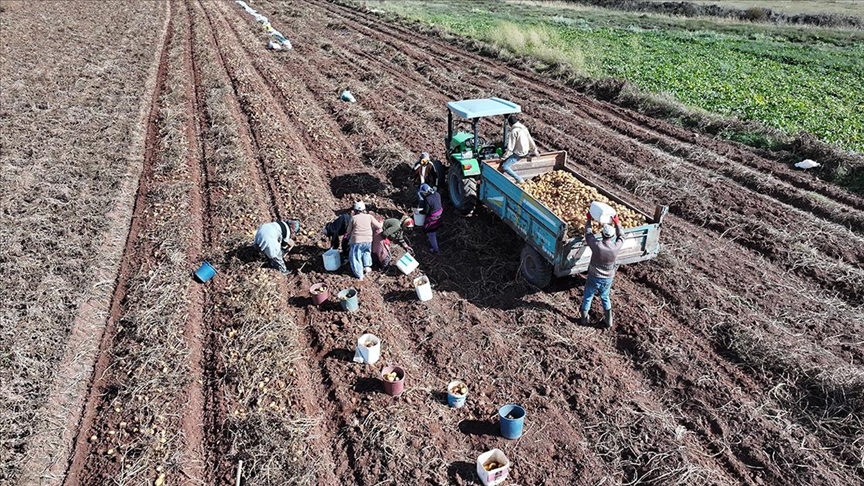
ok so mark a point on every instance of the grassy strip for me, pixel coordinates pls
(759, 85)
(256, 343)
(823, 14)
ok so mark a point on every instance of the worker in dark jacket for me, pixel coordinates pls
(425, 172)
(274, 240)
(433, 211)
(337, 231)
(601, 269)
(391, 230)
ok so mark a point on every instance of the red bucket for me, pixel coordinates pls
(395, 386)
(319, 293)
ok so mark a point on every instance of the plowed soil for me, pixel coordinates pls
(735, 357)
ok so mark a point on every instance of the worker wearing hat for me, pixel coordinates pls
(601, 269)
(361, 230)
(520, 144)
(432, 209)
(425, 172)
(274, 240)
(391, 230)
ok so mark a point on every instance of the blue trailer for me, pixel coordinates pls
(548, 250)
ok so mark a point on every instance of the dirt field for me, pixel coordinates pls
(736, 357)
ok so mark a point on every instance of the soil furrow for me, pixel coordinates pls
(201, 383)
(84, 450)
(66, 412)
(270, 144)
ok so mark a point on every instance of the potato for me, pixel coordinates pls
(570, 199)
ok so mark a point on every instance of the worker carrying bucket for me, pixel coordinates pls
(274, 240)
(601, 270)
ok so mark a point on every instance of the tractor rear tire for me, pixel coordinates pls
(463, 190)
(536, 270)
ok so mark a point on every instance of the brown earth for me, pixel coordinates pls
(736, 357)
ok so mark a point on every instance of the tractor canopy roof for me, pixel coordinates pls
(483, 107)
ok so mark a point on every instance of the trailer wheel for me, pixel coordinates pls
(536, 270)
(463, 190)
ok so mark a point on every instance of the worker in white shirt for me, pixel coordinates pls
(520, 144)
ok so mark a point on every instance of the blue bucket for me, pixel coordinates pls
(511, 428)
(348, 300)
(455, 399)
(205, 272)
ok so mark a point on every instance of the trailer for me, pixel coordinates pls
(548, 250)
(474, 178)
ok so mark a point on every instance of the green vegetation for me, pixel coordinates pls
(788, 78)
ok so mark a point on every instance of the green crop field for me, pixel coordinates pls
(841, 7)
(791, 78)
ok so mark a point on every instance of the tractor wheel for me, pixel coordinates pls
(463, 190)
(536, 270)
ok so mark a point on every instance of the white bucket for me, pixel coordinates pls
(419, 218)
(424, 290)
(407, 264)
(601, 212)
(369, 348)
(496, 475)
(332, 260)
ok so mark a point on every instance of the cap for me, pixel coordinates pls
(408, 222)
(608, 231)
(424, 156)
(359, 206)
(424, 188)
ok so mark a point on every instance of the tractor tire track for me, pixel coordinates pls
(202, 387)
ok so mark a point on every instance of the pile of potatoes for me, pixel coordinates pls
(569, 199)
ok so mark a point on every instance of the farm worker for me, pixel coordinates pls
(425, 172)
(520, 144)
(601, 269)
(274, 240)
(433, 210)
(360, 230)
(391, 230)
(337, 231)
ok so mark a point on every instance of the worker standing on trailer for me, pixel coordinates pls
(601, 269)
(274, 240)
(425, 172)
(433, 211)
(361, 230)
(520, 144)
